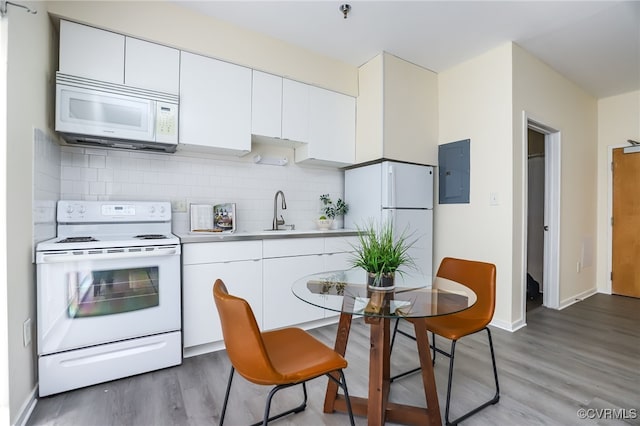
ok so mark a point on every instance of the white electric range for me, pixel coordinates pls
(108, 289)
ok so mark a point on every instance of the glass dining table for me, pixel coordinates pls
(346, 292)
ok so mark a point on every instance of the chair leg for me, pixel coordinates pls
(393, 336)
(433, 347)
(226, 396)
(492, 401)
(266, 419)
(343, 384)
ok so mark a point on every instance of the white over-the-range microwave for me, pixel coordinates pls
(91, 112)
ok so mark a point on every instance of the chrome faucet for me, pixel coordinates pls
(276, 221)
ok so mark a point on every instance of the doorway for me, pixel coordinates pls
(625, 222)
(544, 267)
(535, 218)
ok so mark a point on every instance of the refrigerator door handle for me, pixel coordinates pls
(391, 181)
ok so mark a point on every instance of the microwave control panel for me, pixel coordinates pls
(166, 122)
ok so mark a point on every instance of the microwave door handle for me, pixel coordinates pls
(152, 119)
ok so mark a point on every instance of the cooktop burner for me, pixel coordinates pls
(77, 240)
(151, 236)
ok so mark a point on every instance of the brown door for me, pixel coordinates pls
(626, 224)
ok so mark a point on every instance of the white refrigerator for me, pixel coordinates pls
(401, 192)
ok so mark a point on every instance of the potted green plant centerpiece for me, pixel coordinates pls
(381, 254)
(329, 211)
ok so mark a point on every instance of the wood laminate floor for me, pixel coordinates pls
(585, 356)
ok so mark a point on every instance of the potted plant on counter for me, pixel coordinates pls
(330, 210)
(381, 254)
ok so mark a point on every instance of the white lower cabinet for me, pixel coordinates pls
(281, 307)
(261, 272)
(238, 264)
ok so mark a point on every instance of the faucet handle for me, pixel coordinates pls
(280, 221)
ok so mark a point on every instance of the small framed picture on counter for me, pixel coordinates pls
(213, 217)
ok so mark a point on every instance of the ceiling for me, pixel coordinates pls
(596, 44)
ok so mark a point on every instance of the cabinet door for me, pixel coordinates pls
(151, 66)
(215, 105)
(332, 127)
(281, 307)
(92, 53)
(266, 105)
(201, 323)
(295, 110)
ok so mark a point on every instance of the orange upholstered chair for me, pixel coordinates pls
(281, 358)
(481, 278)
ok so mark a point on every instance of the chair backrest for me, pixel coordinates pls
(242, 337)
(479, 277)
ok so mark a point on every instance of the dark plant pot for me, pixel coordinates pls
(382, 282)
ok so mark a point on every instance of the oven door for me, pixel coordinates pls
(90, 297)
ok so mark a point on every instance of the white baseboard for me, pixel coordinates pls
(27, 408)
(508, 326)
(577, 298)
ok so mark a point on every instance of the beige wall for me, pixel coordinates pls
(618, 120)
(410, 111)
(370, 110)
(475, 103)
(29, 101)
(551, 99)
(397, 114)
(4, 323)
(173, 25)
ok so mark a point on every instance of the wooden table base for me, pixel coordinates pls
(377, 407)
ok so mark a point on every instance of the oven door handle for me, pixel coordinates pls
(60, 258)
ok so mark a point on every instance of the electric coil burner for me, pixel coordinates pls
(108, 294)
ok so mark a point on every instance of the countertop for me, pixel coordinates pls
(208, 237)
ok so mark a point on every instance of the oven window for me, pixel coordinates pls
(112, 291)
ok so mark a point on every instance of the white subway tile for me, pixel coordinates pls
(97, 188)
(97, 161)
(80, 160)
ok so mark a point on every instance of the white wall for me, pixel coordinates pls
(618, 120)
(29, 104)
(475, 103)
(551, 99)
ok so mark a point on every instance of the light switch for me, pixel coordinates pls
(494, 199)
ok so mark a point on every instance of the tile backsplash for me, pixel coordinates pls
(46, 185)
(184, 178)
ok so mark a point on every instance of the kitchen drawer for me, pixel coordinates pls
(340, 244)
(292, 247)
(195, 253)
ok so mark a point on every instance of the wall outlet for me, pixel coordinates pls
(179, 206)
(494, 199)
(578, 266)
(26, 332)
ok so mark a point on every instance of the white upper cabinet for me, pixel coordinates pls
(151, 66)
(91, 53)
(266, 105)
(332, 128)
(295, 110)
(105, 56)
(215, 105)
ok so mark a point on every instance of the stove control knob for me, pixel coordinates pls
(161, 209)
(69, 209)
(152, 209)
(82, 210)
